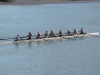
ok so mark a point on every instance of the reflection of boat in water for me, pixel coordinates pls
(52, 38)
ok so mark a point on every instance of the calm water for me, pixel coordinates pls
(58, 57)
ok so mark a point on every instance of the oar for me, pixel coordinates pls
(3, 39)
(12, 38)
(57, 34)
(23, 36)
(6, 38)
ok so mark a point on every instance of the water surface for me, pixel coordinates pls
(79, 56)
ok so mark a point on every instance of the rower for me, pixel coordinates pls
(46, 35)
(51, 34)
(68, 33)
(60, 33)
(18, 38)
(29, 36)
(75, 32)
(38, 35)
(81, 31)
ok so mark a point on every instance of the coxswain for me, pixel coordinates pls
(60, 33)
(81, 31)
(75, 32)
(29, 36)
(46, 35)
(18, 38)
(38, 35)
(51, 34)
(68, 33)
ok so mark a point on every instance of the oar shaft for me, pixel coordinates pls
(23, 36)
(6, 38)
(3, 39)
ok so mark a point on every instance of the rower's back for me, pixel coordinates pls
(17, 38)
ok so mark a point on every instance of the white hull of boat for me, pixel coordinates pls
(52, 38)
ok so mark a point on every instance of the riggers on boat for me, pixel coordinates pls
(52, 38)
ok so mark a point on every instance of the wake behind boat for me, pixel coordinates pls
(52, 38)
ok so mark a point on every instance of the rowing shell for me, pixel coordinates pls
(81, 35)
(52, 38)
(32, 40)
